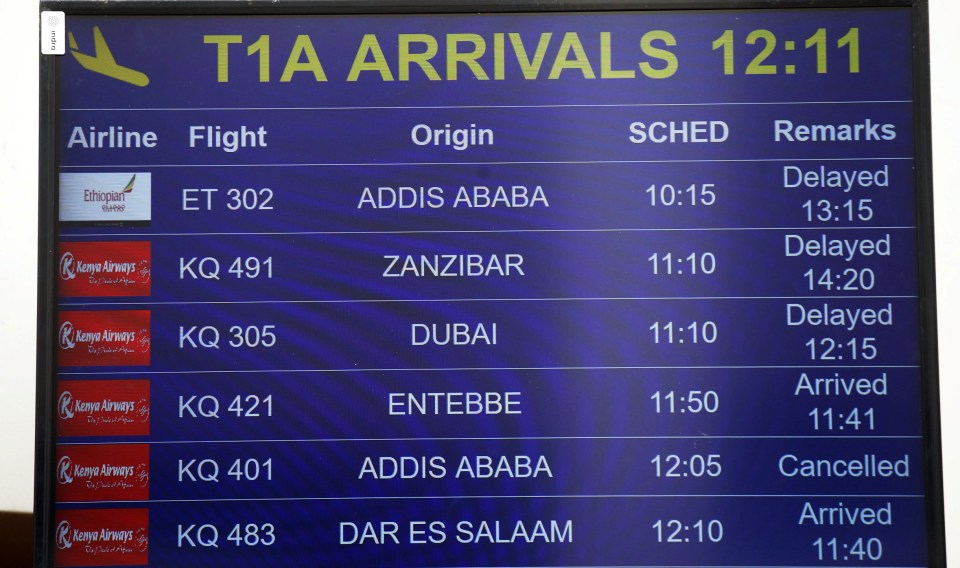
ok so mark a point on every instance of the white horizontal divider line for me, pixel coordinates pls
(455, 300)
(422, 497)
(496, 231)
(482, 163)
(489, 439)
(127, 371)
(454, 107)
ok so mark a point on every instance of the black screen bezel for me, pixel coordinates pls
(45, 435)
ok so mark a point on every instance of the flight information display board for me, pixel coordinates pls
(620, 287)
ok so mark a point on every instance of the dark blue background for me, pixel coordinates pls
(586, 368)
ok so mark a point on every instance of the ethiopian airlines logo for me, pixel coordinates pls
(103, 62)
(111, 200)
(105, 197)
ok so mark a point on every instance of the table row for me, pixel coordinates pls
(548, 334)
(700, 465)
(502, 196)
(533, 265)
(607, 531)
(700, 402)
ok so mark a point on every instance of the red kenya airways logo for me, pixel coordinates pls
(101, 537)
(103, 473)
(105, 269)
(104, 338)
(103, 408)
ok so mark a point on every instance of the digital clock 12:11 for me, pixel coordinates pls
(820, 43)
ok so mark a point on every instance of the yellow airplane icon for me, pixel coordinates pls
(102, 61)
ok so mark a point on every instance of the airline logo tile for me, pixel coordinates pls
(103, 408)
(105, 197)
(103, 472)
(101, 537)
(105, 269)
(106, 338)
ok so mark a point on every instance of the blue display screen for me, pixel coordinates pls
(534, 289)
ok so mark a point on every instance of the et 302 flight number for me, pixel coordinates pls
(206, 199)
